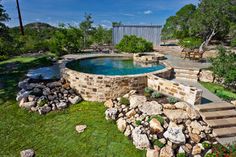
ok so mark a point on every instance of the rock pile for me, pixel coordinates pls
(164, 130)
(45, 96)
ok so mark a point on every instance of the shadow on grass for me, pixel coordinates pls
(12, 73)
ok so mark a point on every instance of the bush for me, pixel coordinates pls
(191, 43)
(181, 155)
(124, 101)
(134, 44)
(138, 122)
(158, 143)
(156, 95)
(3, 57)
(148, 91)
(66, 40)
(206, 145)
(172, 100)
(224, 65)
(233, 42)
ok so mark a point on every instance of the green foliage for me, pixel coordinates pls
(224, 65)
(3, 57)
(66, 40)
(158, 143)
(157, 117)
(124, 101)
(138, 122)
(102, 36)
(178, 26)
(134, 44)
(181, 155)
(172, 100)
(148, 90)
(191, 43)
(206, 145)
(156, 95)
(220, 91)
(233, 42)
(220, 150)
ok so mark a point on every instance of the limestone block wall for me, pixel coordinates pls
(189, 94)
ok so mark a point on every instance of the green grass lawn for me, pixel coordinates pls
(54, 134)
(220, 91)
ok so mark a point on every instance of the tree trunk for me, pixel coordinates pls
(213, 33)
(206, 42)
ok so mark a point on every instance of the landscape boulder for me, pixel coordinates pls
(140, 140)
(175, 134)
(121, 124)
(155, 126)
(80, 128)
(137, 100)
(75, 100)
(27, 153)
(111, 113)
(151, 108)
(108, 103)
(177, 115)
(167, 151)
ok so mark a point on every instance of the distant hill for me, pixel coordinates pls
(39, 26)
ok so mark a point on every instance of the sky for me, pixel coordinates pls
(104, 12)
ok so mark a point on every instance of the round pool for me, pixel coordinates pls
(113, 66)
(100, 77)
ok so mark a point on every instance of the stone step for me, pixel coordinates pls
(214, 107)
(190, 71)
(226, 140)
(218, 114)
(224, 132)
(186, 78)
(220, 123)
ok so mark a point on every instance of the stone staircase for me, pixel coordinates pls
(221, 117)
(186, 74)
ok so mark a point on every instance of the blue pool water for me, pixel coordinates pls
(112, 66)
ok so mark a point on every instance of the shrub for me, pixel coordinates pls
(148, 91)
(181, 155)
(138, 122)
(134, 44)
(224, 65)
(124, 101)
(3, 57)
(233, 42)
(191, 43)
(157, 117)
(172, 100)
(156, 95)
(158, 143)
(206, 145)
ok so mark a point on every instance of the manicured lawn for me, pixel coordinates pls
(54, 134)
(220, 91)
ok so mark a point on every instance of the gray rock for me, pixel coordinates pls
(22, 94)
(44, 110)
(24, 84)
(80, 128)
(27, 153)
(75, 100)
(28, 105)
(54, 84)
(61, 105)
(46, 91)
(37, 91)
(140, 140)
(175, 134)
(111, 113)
(121, 124)
(151, 108)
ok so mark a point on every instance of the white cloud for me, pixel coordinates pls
(127, 14)
(147, 12)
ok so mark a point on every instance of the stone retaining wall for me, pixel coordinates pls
(189, 94)
(102, 87)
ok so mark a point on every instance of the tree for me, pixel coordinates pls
(87, 28)
(212, 18)
(114, 24)
(178, 26)
(102, 36)
(4, 17)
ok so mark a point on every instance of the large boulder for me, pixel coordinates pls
(131, 113)
(137, 100)
(192, 113)
(206, 76)
(27, 153)
(155, 126)
(111, 113)
(175, 134)
(181, 105)
(28, 105)
(167, 151)
(151, 108)
(61, 105)
(140, 140)
(196, 127)
(152, 153)
(176, 115)
(121, 124)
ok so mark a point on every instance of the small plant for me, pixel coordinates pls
(181, 155)
(172, 100)
(157, 117)
(156, 95)
(148, 91)
(42, 102)
(158, 143)
(206, 145)
(138, 122)
(124, 101)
